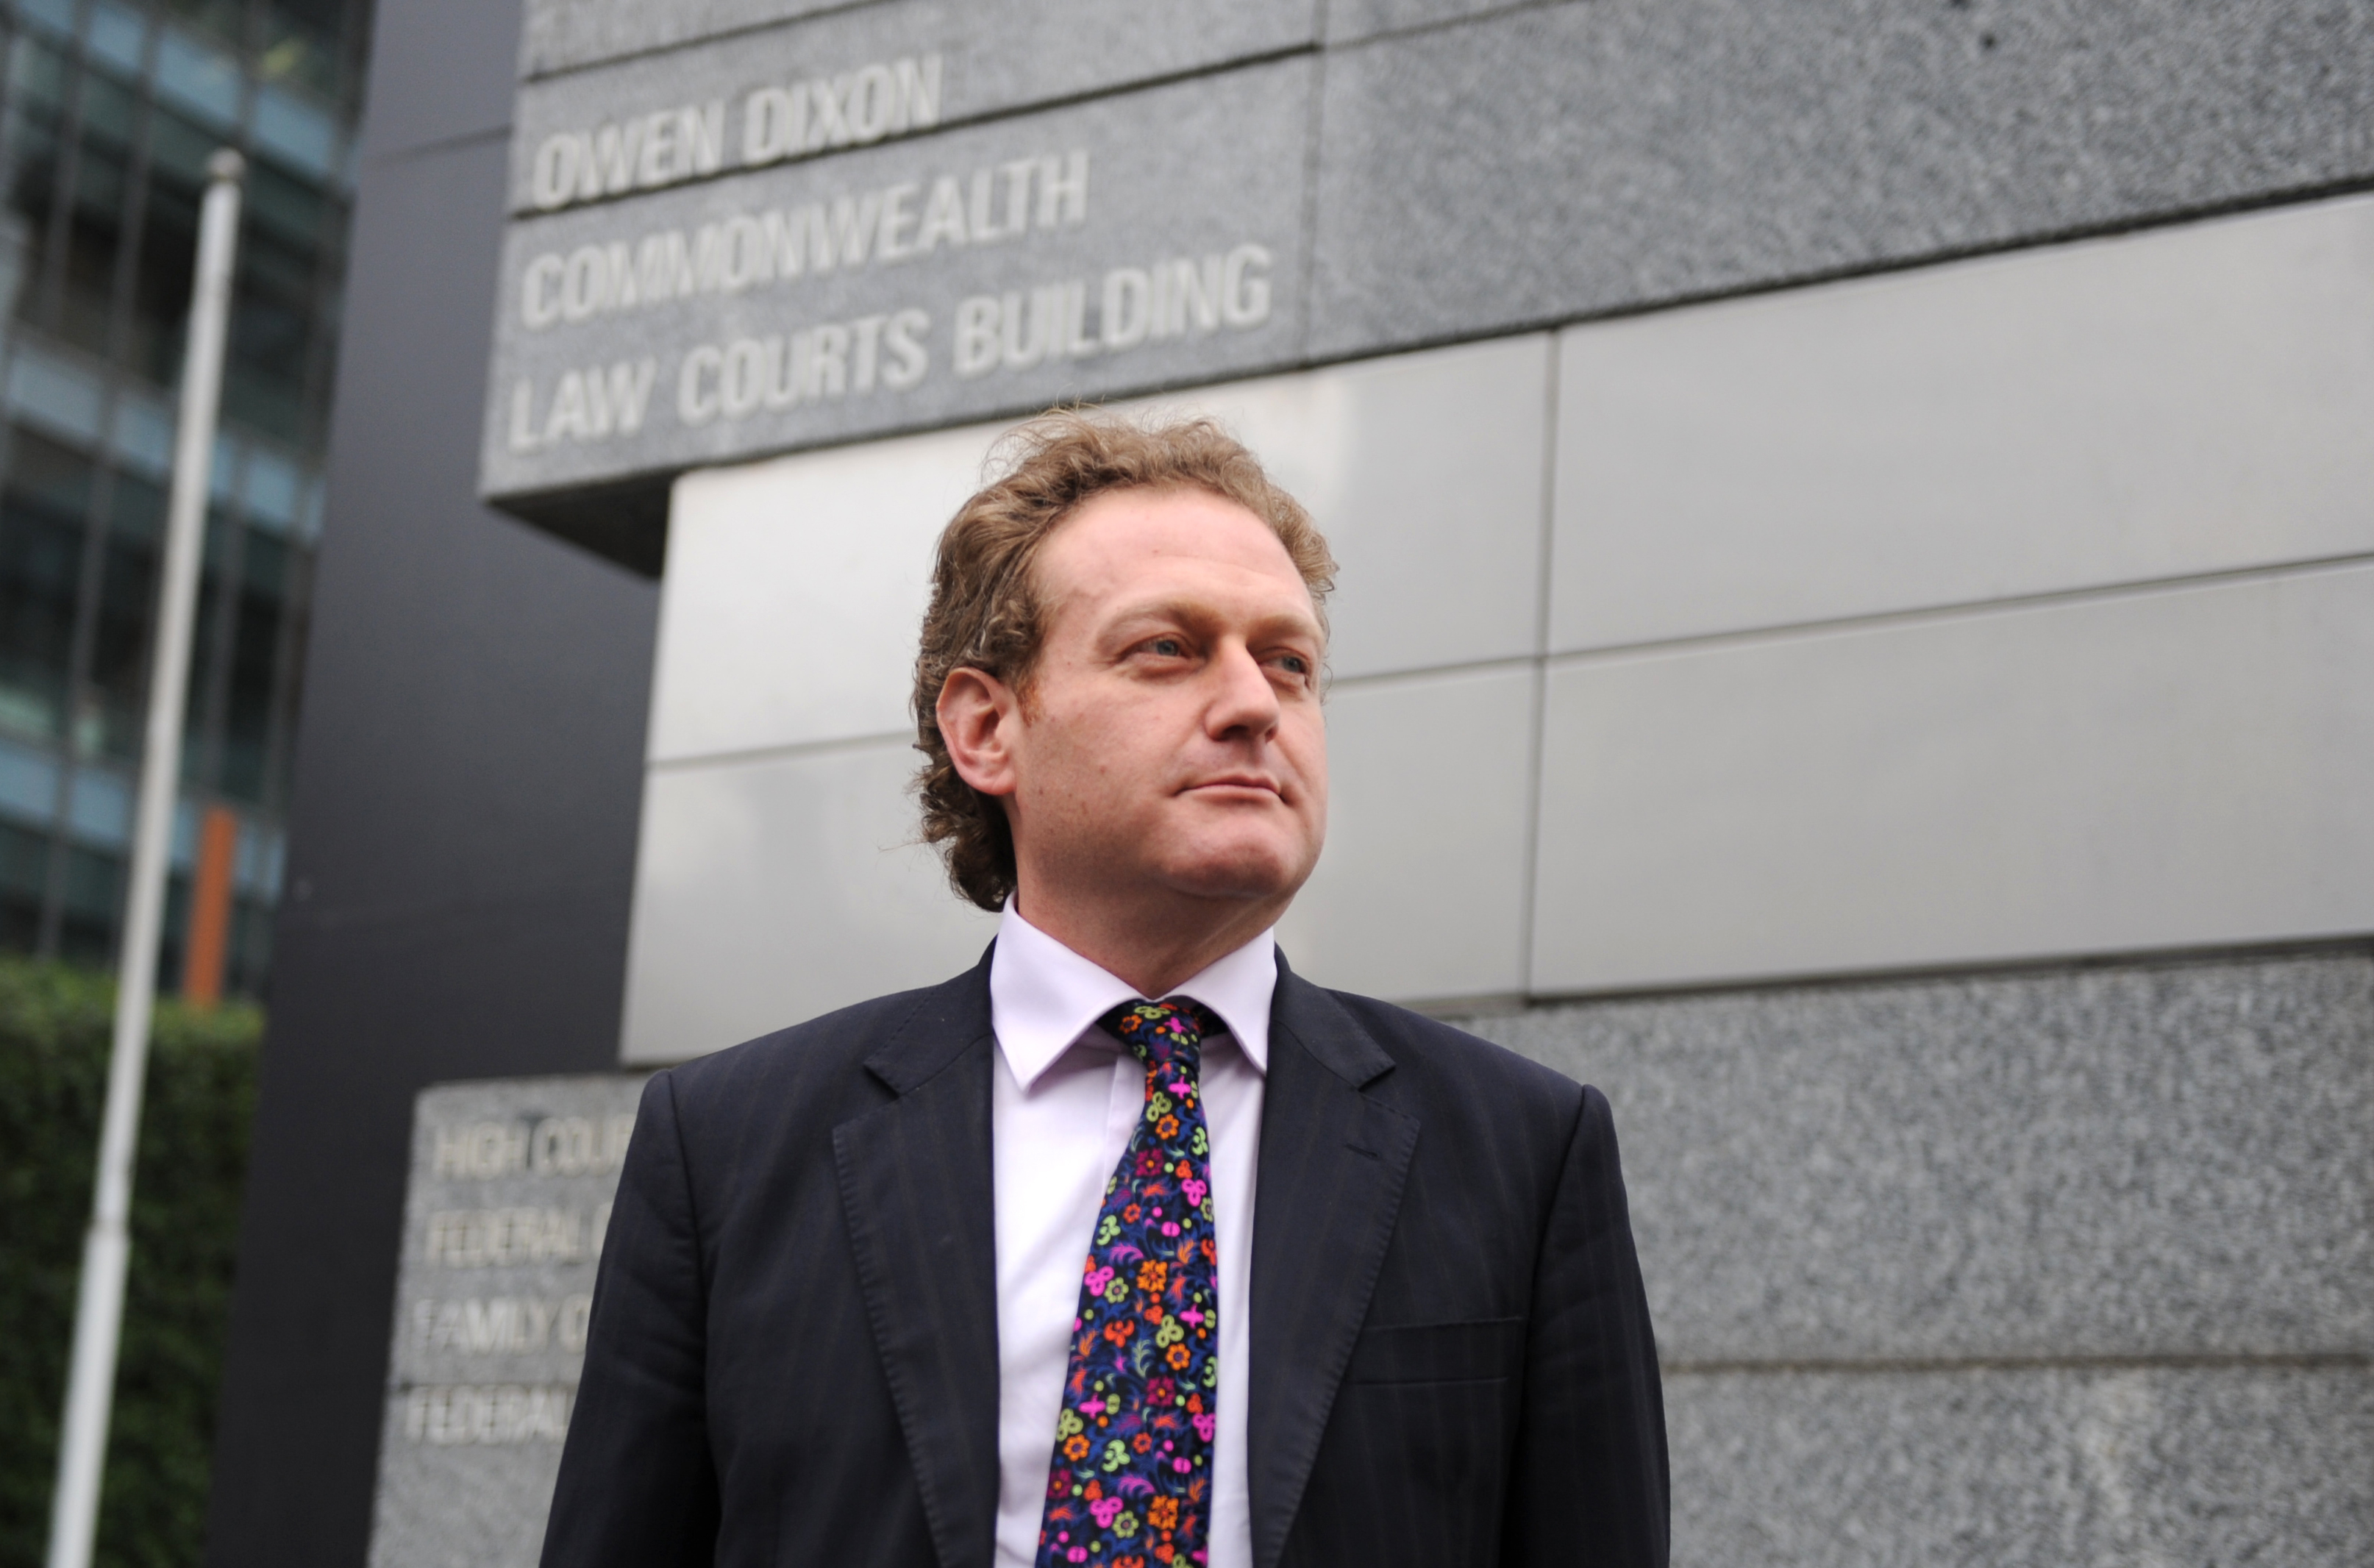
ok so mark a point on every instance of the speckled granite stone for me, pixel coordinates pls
(2024, 1469)
(1565, 161)
(2139, 1161)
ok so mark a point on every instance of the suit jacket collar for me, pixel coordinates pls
(942, 1024)
(1334, 1159)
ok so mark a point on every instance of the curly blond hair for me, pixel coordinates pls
(986, 612)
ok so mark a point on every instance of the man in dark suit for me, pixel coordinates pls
(1358, 1289)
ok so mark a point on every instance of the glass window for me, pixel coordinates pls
(264, 566)
(154, 86)
(18, 259)
(271, 488)
(224, 19)
(109, 110)
(299, 213)
(24, 872)
(141, 435)
(98, 807)
(250, 951)
(274, 334)
(118, 37)
(169, 247)
(41, 511)
(94, 244)
(37, 75)
(198, 77)
(54, 394)
(247, 711)
(296, 132)
(304, 42)
(29, 783)
(55, 15)
(135, 508)
(109, 727)
(94, 885)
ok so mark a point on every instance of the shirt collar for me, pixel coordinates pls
(1043, 996)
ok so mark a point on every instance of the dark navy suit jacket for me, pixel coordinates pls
(793, 1357)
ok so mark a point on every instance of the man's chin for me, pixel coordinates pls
(1240, 874)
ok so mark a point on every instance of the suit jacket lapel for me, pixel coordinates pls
(916, 1186)
(1333, 1162)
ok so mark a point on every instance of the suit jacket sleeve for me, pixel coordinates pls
(1589, 1483)
(638, 1488)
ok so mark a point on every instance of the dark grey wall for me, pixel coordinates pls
(463, 824)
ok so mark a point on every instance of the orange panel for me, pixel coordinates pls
(209, 944)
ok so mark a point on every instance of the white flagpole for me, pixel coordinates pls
(106, 1247)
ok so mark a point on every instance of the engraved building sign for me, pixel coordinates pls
(804, 235)
(509, 1196)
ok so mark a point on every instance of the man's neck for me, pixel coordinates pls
(1155, 948)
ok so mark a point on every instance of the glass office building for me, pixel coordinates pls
(110, 110)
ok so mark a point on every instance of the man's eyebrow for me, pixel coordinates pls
(1189, 608)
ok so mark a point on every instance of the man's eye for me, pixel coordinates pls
(1168, 647)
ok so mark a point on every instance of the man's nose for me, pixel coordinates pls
(1245, 700)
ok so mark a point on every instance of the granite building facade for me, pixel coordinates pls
(1856, 607)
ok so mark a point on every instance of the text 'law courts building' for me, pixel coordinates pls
(1856, 615)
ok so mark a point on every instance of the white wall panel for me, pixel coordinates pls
(770, 890)
(1426, 472)
(1420, 893)
(2138, 771)
(794, 589)
(2158, 405)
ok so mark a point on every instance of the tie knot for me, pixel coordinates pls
(1163, 1035)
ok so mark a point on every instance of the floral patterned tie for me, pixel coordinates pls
(1132, 1476)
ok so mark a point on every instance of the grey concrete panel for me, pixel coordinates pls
(2146, 769)
(1181, 206)
(795, 590)
(2026, 1468)
(2142, 1161)
(558, 34)
(1426, 472)
(986, 60)
(1420, 893)
(2179, 401)
(770, 890)
(434, 78)
(509, 1196)
(1578, 159)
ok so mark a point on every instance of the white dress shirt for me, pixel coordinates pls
(1065, 1099)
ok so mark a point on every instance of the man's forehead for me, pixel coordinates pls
(1132, 541)
(1161, 588)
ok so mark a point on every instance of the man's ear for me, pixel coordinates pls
(978, 715)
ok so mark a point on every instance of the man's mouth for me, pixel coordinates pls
(1266, 785)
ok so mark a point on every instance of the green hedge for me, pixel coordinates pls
(55, 1025)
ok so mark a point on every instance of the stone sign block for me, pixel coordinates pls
(510, 1195)
(1130, 243)
(555, 35)
(855, 77)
